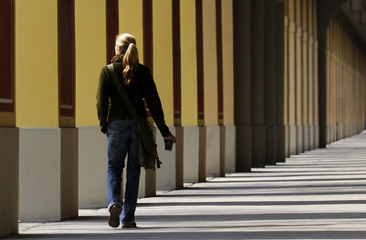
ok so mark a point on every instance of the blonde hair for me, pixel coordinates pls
(131, 57)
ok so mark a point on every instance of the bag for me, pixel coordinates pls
(147, 152)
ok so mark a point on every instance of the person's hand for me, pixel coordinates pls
(171, 137)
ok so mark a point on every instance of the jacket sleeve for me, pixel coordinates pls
(103, 101)
(153, 101)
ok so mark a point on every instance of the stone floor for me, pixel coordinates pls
(320, 194)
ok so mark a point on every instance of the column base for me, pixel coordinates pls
(244, 148)
(9, 180)
(230, 148)
(258, 146)
(166, 177)
(270, 152)
(69, 173)
(292, 135)
(312, 137)
(306, 137)
(300, 143)
(281, 143)
(191, 154)
(213, 151)
(317, 136)
(93, 160)
(40, 174)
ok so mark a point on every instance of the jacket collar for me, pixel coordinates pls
(117, 58)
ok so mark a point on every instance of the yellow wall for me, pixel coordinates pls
(188, 62)
(345, 84)
(228, 60)
(90, 37)
(162, 55)
(210, 62)
(130, 21)
(36, 73)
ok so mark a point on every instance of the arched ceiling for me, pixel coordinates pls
(355, 11)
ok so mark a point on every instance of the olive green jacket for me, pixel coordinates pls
(110, 105)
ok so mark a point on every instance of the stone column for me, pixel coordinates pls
(282, 84)
(270, 81)
(257, 83)
(299, 84)
(242, 83)
(305, 91)
(292, 131)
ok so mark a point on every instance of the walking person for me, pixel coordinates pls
(117, 123)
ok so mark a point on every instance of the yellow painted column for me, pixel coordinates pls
(188, 62)
(330, 82)
(348, 98)
(299, 80)
(306, 78)
(339, 78)
(312, 92)
(162, 55)
(210, 62)
(228, 60)
(305, 64)
(334, 83)
(311, 77)
(286, 72)
(292, 78)
(291, 61)
(90, 54)
(7, 119)
(130, 21)
(343, 113)
(328, 63)
(314, 107)
(36, 61)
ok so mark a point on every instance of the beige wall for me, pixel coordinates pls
(345, 83)
(36, 74)
(130, 21)
(162, 56)
(228, 60)
(188, 62)
(90, 54)
(210, 62)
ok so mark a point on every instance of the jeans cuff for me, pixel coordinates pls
(111, 205)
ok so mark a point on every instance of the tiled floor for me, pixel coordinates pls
(317, 195)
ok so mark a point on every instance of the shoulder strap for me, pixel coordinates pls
(122, 92)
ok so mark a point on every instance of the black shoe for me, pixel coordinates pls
(133, 225)
(114, 216)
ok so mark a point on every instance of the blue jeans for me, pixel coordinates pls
(122, 138)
